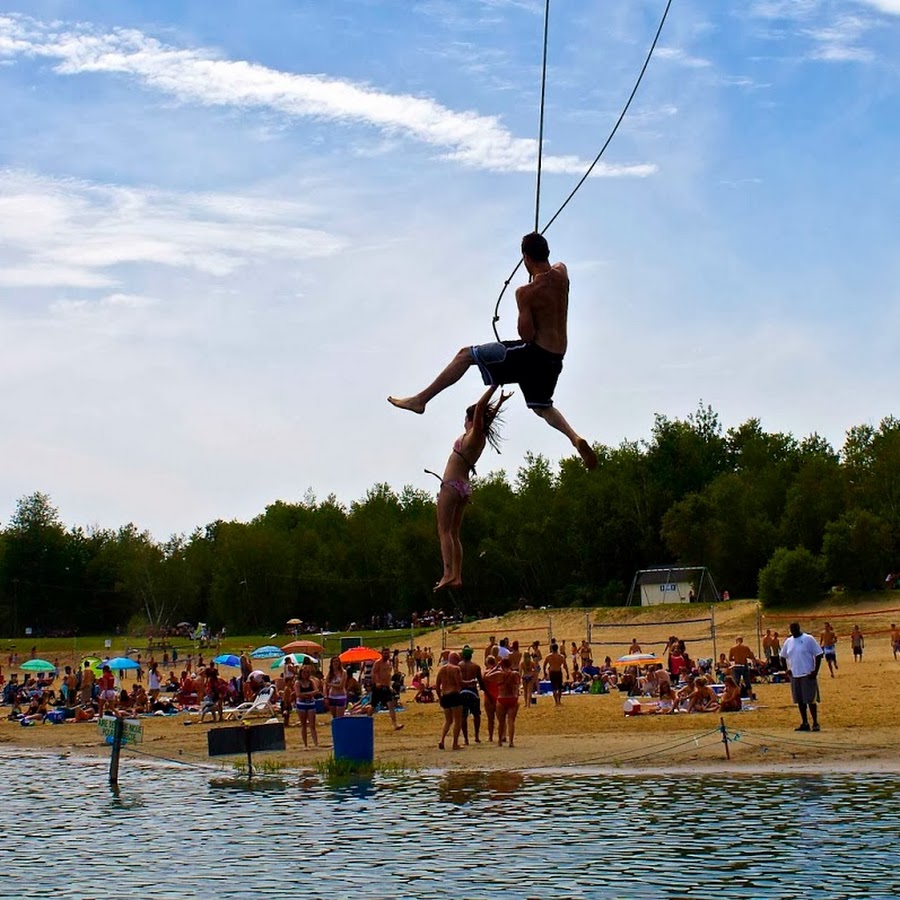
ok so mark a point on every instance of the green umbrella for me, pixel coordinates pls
(37, 665)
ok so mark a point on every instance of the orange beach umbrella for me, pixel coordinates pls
(359, 655)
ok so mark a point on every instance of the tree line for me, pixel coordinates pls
(770, 515)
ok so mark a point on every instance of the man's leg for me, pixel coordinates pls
(451, 374)
(814, 712)
(553, 417)
(804, 722)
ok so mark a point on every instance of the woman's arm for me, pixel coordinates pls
(480, 407)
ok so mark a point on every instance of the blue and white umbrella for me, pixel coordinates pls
(296, 658)
(270, 651)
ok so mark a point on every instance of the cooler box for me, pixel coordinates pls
(632, 707)
(354, 738)
(544, 687)
(56, 716)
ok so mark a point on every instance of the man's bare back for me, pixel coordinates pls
(543, 308)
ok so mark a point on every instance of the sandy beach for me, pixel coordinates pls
(860, 718)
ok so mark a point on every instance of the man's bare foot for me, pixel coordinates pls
(398, 728)
(477, 740)
(456, 747)
(410, 403)
(441, 745)
(586, 452)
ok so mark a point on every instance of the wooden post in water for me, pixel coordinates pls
(249, 753)
(116, 751)
(724, 731)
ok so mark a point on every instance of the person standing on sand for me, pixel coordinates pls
(471, 680)
(506, 680)
(535, 361)
(895, 639)
(803, 657)
(491, 649)
(448, 686)
(553, 669)
(87, 684)
(382, 692)
(857, 642)
(635, 647)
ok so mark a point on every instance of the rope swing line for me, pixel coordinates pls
(597, 158)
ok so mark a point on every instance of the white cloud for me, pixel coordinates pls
(837, 42)
(199, 76)
(675, 54)
(66, 233)
(886, 6)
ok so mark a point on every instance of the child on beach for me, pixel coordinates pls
(456, 489)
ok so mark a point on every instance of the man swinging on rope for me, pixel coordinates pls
(535, 361)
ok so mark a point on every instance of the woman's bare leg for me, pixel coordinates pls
(449, 516)
(513, 712)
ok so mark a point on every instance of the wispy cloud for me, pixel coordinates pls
(201, 76)
(675, 54)
(66, 233)
(838, 41)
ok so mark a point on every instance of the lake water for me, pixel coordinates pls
(185, 831)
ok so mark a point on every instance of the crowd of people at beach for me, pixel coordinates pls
(469, 692)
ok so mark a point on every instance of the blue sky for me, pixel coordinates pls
(228, 231)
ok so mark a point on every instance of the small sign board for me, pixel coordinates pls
(132, 730)
(668, 587)
(233, 740)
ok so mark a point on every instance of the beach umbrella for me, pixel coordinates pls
(256, 672)
(305, 646)
(269, 651)
(37, 665)
(94, 663)
(298, 658)
(228, 659)
(294, 622)
(184, 625)
(359, 655)
(121, 662)
(639, 659)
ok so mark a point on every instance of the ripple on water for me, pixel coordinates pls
(181, 832)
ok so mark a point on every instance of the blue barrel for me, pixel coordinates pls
(354, 738)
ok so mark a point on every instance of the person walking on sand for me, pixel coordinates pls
(554, 664)
(456, 489)
(382, 691)
(803, 657)
(448, 686)
(827, 641)
(895, 639)
(535, 361)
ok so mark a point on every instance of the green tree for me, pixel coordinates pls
(791, 576)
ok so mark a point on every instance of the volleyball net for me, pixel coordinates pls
(699, 634)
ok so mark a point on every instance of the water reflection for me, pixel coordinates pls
(581, 836)
(461, 788)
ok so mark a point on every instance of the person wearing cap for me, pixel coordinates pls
(448, 685)
(803, 656)
(471, 680)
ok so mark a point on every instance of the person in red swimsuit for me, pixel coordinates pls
(507, 680)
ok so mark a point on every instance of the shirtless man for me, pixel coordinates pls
(553, 668)
(448, 686)
(87, 684)
(533, 362)
(741, 655)
(895, 639)
(827, 640)
(491, 649)
(382, 692)
(471, 680)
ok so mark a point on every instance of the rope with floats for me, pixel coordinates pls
(592, 166)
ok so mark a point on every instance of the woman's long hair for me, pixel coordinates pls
(493, 419)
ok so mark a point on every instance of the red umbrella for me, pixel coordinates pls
(359, 655)
(304, 646)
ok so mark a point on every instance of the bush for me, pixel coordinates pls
(791, 576)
